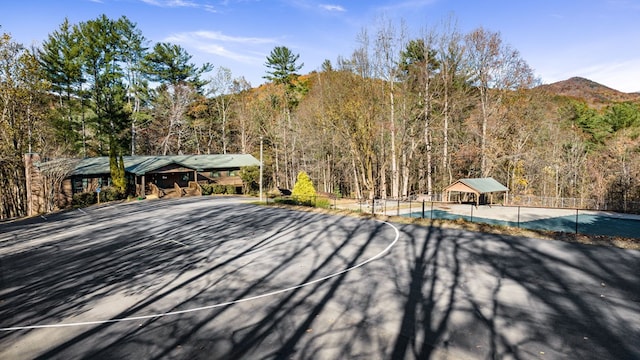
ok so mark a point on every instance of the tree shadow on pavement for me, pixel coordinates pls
(437, 294)
(474, 295)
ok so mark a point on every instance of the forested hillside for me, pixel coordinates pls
(399, 116)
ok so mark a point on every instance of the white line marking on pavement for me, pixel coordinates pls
(209, 307)
(178, 242)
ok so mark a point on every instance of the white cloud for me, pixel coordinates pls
(329, 7)
(216, 35)
(248, 50)
(179, 4)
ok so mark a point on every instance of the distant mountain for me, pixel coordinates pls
(590, 91)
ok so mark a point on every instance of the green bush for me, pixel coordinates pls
(250, 176)
(84, 199)
(207, 189)
(112, 194)
(304, 200)
(285, 201)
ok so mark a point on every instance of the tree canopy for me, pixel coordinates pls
(400, 115)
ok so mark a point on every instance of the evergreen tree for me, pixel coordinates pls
(180, 83)
(169, 64)
(61, 62)
(303, 190)
(282, 63)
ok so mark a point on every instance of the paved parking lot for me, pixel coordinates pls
(204, 278)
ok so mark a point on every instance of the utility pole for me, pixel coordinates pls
(261, 138)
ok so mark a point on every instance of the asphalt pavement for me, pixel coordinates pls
(221, 278)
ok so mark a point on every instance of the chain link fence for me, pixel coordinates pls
(569, 220)
(631, 207)
(535, 213)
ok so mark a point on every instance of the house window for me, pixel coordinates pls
(234, 172)
(77, 186)
(215, 174)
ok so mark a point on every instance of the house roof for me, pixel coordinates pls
(481, 185)
(140, 165)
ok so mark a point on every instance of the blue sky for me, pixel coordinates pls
(596, 39)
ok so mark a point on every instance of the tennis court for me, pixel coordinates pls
(560, 220)
(588, 222)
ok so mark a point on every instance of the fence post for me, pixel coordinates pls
(431, 210)
(410, 207)
(576, 221)
(422, 209)
(373, 207)
(398, 209)
(471, 212)
(518, 217)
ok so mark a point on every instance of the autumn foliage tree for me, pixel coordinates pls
(402, 114)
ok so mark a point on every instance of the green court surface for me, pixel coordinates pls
(587, 223)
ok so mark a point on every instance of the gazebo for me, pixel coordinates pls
(478, 186)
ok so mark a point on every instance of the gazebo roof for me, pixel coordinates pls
(478, 185)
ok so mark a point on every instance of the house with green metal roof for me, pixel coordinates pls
(145, 174)
(163, 172)
(478, 189)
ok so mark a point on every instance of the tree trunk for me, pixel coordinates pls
(483, 136)
(395, 174)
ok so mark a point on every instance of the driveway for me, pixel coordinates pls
(219, 278)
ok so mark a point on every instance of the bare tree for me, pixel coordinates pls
(221, 91)
(388, 46)
(53, 174)
(495, 68)
(450, 59)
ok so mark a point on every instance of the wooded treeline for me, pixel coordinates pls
(399, 116)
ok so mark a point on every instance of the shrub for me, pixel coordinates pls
(207, 189)
(230, 189)
(112, 194)
(303, 187)
(285, 201)
(84, 199)
(250, 176)
(218, 189)
(303, 191)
